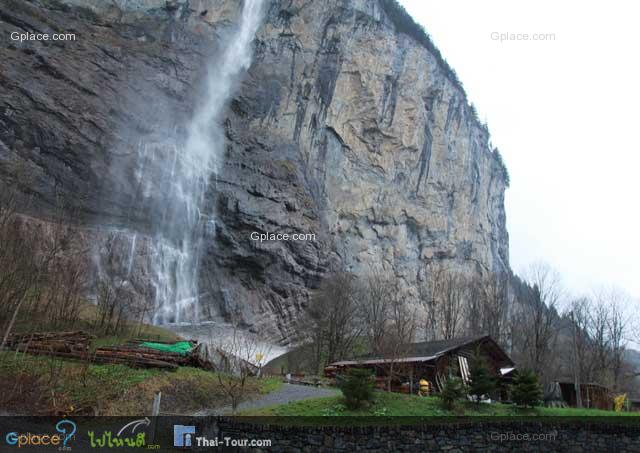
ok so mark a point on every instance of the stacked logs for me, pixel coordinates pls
(77, 342)
(148, 357)
(138, 358)
(76, 345)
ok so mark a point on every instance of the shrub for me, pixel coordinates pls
(404, 23)
(357, 387)
(451, 392)
(526, 390)
(503, 167)
(481, 381)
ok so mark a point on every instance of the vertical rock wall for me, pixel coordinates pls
(344, 127)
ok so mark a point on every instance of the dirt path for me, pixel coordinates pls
(285, 394)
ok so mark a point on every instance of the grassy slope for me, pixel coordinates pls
(47, 385)
(39, 384)
(394, 404)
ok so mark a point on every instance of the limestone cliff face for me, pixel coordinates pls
(343, 127)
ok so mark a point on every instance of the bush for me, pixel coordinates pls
(357, 387)
(404, 23)
(481, 382)
(503, 167)
(526, 390)
(451, 392)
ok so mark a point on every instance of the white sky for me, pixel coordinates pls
(565, 115)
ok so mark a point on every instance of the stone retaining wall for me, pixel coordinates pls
(548, 436)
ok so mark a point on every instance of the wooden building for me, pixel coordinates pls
(593, 395)
(433, 361)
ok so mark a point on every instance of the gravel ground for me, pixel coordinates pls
(220, 333)
(285, 394)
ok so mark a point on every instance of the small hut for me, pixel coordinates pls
(594, 396)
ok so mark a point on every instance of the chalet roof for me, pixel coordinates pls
(437, 348)
(427, 351)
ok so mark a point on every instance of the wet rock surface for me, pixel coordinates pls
(343, 127)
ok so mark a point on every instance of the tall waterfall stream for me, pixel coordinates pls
(173, 176)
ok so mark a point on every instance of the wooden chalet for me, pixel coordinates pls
(433, 361)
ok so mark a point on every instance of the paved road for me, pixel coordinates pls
(285, 394)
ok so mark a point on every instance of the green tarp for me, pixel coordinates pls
(181, 347)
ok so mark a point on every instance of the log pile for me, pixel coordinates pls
(77, 342)
(137, 358)
(77, 345)
(144, 356)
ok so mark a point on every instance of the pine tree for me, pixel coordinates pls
(452, 391)
(525, 390)
(481, 380)
(357, 387)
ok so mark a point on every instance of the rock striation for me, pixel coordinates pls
(344, 127)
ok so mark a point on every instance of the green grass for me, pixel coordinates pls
(46, 385)
(268, 385)
(41, 384)
(395, 405)
(86, 321)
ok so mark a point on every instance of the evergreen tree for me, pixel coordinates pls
(503, 167)
(357, 387)
(452, 391)
(525, 390)
(481, 380)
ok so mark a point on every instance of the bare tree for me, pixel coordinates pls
(578, 313)
(611, 331)
(400, 331)
(536, 319)
(63, 263)
(617, 327)
(443, 298)
(115, 298)
(597, 331)
(488, 305)
(331, 324)
(376, 295)
(426, 291)
(450, 301)
(42, 269)
(19, 266)
(496, 305)
(238, 357)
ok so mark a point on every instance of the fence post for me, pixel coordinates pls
(155, 411)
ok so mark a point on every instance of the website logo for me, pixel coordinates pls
(125, 438)
(66, 428)
(183, 435)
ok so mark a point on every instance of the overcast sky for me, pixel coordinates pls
(565, 114)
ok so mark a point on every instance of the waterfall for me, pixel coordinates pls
(173, 177)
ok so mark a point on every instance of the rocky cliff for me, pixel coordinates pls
(344, 127)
